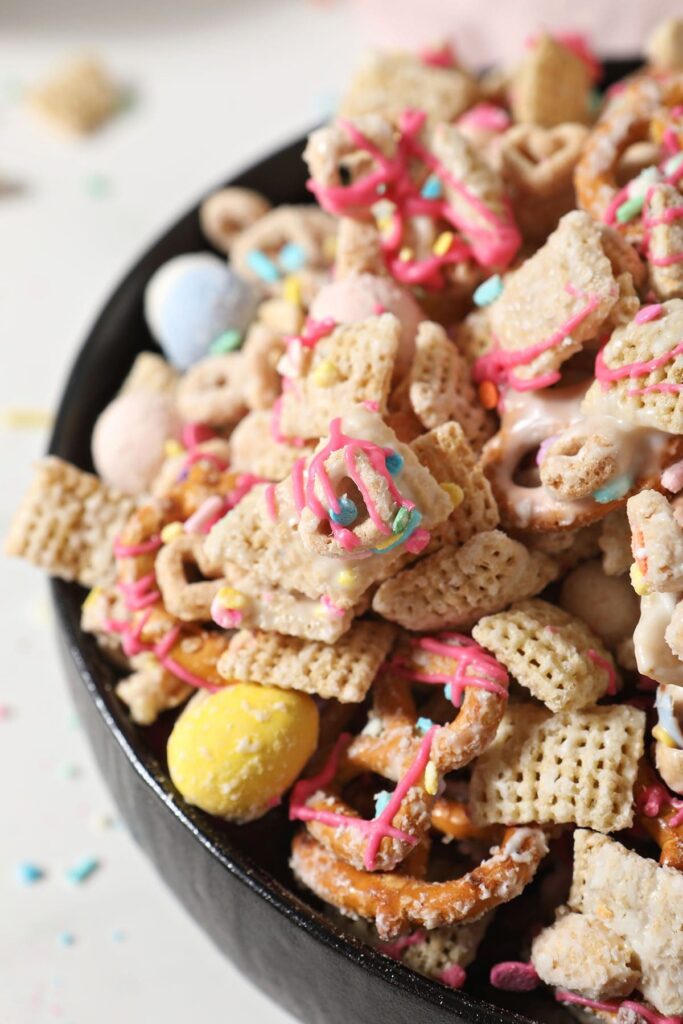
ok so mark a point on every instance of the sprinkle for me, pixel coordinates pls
(97, 186)
(443, 243)
(418, 540)
(639, 186)
(453, 976)
(291, 291)
(173, 448)
(100, 821)
(455, 493)
(28, 873)
(630, 209)
(330, 247)
(5, 712)
(673, 164)
(262, 266)
(488, 394)
(423, 724)
(228, 341)
(448, 692)
(432, 188)
(381, 801)
(394, 463)
(614, 489)
(406, 254)
(70, 771)
(92, 597)
(346, 578)
(26, 419)
(230, 598)
(325, 374)
(66, 939)
(431, 778)
(672, 477)
(401, 520)
(292, 257)
(347, 513)
(638, 580)
(171, 531)
(514, 976)
(488, 291)
(647, 313)
(82, 870)
(662, 736)
(118, 935)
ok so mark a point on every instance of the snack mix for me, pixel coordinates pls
(395, 523)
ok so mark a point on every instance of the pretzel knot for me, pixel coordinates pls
(392, 746)
(397, 901)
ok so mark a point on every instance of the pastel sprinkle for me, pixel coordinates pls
(431, 778)
(347, 513)
(262, 266)
(514, 976)
(488, 394)
(82, 870)
(648, 313)
(97, 186)
(630, 209)
(228, 341)
(173, 448)
(672, 477)
(26, 419)
(455, 493)
(614, 489)
(325, 374)
(662, 736)
(423, 724)
(28, 873)
(401, 520)
(432, 188)
(638, 580)
(171, 531)
(406, 254)
(381, 801)
(394, 463)
(448, 692)
(673, 164)
(5, 712)
(292, 257)
(443, 243)
(118, 935)
(488, 291)
(230, 598)
(453, 976)
(66, 939)
(70, 771)
(291, 291)
(346, 578)
(638, 187)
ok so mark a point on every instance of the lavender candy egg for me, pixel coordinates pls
(191, 301)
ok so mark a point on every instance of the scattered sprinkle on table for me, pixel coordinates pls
(97, 186)
(6, 712)
(82, 870)
(28, 873)
(66, 939)
(118, 935)
(70, 770)
(18, 418)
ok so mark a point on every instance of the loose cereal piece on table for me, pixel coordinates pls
(253, 449)
(78, 98)
(549, 652)
(664, 211)
(664, 48)
(446, 453)
(577, 766)
(362, 494)
(607, 604)
(657, 542)
(151, 372)
(551, 86)
(67, 523)
(388, 83)
(615, 543)
(639, 900)
(229, 211)
(344, 671)
(441, 389)
(455, 586)
(583, 954)
(329, 369)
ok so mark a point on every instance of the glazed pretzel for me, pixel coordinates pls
(395, 901)
(661, 816)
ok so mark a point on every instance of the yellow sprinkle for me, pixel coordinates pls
(431, 778)
(384, 224)
(321, 612)
(26, 419)
(291, 290)
(638, 581)
(173, 448)
(662, 736)
(406, 254)
(443, 243)
(330, 247)
(325, 374)
(455, 493)
(170, 532)
(91, 598)
(231, 598)
(346, 578)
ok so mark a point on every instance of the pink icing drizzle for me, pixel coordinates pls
(141, 593)
(647, 313)
(209, 512)
(651, 1016)
(654, 798)
(377, 828)
(607, 667)
(145, 547)
(132, 644)
(639, 368)
(473, 666)
(485, 116)
(514, 976)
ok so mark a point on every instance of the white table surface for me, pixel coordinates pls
(219, 82)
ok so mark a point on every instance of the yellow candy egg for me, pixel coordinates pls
(235, 752)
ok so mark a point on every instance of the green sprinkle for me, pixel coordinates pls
(630, 209)
(401, 520)
(228, 341)
(673, 164)
(97, 186)
(488, 291)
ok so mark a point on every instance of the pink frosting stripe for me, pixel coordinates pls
(651, 1016)
(647, 313)
(473, 666)
(209, 512)
(271, 502)
(145, 547)
(641, 368)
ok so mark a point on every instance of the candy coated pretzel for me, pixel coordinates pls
(661, 816)
(397, 901)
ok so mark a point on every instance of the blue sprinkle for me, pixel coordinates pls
(381, 801)
(488, 291)
(262, 266)
(423, 725)
(82, 870)
(29, 873)
(394, 463)
(448, 692)
(347, 513)
(292, 257)
(432, 188)
(66, 939)
(381, 189)
(614, 489)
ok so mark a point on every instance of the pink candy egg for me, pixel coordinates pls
(129, 438)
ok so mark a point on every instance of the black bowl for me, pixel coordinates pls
(234, 880)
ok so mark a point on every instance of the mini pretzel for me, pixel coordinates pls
(212, 391)
(661, 816)
(397, 901)
(307, 227)
(226, 213)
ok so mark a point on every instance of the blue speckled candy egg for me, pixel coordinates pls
(192, 301)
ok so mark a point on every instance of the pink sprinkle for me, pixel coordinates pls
(197, 433)
(439, 57)
(672, 477)
(371, 405)
(485, 116)
(648, 313)
(271, 502)
(226, 618)
(514, 976)
(208, 513)
(395, 949)
(418, 541)
(454, 976)
(5, 712)
(378, 309)
(543, 449)
(331, 608)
